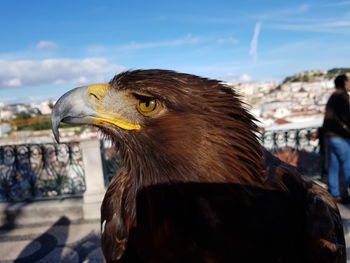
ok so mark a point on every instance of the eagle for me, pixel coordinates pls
(195, 184)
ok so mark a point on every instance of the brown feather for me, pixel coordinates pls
(196, 185)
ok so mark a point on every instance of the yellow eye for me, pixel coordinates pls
(147, 106)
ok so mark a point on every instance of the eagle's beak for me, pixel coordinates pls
(74, 108)
(84, 105)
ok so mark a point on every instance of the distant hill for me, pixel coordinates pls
(338, 70)
(315, 75)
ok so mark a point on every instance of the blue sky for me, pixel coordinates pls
(49, 47)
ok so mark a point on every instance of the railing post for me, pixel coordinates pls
(95, 188)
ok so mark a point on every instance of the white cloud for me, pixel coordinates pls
(284, 12)
(13, 82)
(46, 45)
(188, 40)
(303, 8)
(100, 50)
(23, 73)
(245, 78)
(340, 23)
(81, 80)
(24, 99)
(229, 40)
(342, 3)
(334, 27)
(235, 78)
(255, 42)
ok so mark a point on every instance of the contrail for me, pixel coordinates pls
(254, 43)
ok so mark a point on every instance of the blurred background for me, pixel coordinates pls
(281, 56)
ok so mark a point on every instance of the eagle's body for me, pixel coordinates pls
(196, 186)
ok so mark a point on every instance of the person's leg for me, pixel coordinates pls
(344, 157)
(333, 167)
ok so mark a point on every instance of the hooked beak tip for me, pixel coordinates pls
(66, 106)
(57, 137)
(55, 123)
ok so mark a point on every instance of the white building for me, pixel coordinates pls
(4, 128)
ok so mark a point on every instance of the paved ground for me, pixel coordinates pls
(63, 241)
(71, 241)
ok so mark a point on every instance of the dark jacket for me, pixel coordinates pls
(337, 117)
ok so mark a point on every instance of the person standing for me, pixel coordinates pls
(336, 128)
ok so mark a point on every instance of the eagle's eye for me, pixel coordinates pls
(147, 106)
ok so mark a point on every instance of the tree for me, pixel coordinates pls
(50, 104)
(22, 115)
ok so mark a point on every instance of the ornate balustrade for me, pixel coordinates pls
(299, 139)
(51, 171)
(41, 171)
(110, 163)
(299, 147)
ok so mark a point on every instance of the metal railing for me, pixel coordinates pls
(109, 162)
(299, 147)
(41, 171)
(51, 171)
(299, 139)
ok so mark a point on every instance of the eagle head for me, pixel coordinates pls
(169, 126)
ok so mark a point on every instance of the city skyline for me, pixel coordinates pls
(48, 48)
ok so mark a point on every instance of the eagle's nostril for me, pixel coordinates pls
(92, 95)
